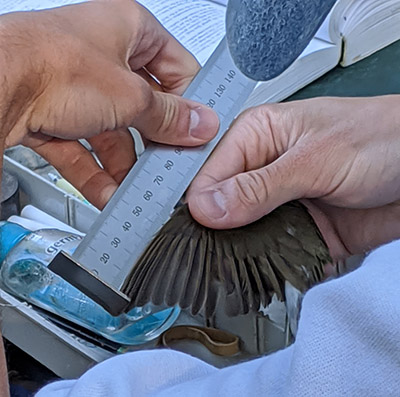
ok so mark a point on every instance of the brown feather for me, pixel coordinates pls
(190, 265)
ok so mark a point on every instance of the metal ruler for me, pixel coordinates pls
(147, 196)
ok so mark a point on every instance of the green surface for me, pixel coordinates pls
(379, 74)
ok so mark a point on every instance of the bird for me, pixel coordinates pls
(195, 267)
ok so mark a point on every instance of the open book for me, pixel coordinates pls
(353, 30)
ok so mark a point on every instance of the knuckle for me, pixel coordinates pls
(257, 118)
(257, 121)
(167, 122)
(125, 111)
(170, 114)
(252, 188)
(256, 138)
(144, 97)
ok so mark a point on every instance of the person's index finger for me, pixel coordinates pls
(245, 147)
(77, 165)
(170, 62)
(251, 143)
(116, 152)
(174, 67)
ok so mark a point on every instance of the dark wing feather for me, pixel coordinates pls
(258, 287)
(153, 287)
(197, 257)
(191, 266)
(203, 281)
(269, 279)
(145, 272)
(162, 283)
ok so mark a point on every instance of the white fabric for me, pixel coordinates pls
(348, 344)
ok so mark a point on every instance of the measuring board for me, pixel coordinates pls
(147, 196)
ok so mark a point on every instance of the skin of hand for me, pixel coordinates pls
(340, 156)
(89, 71)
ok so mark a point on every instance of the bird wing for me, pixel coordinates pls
(194, 267)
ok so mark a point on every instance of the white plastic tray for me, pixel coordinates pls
(67, 355)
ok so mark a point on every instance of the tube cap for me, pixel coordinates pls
(10, 235)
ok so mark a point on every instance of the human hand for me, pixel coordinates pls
(85, 71)
(340, 154)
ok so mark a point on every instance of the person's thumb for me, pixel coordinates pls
(248, 196)
(171, 119)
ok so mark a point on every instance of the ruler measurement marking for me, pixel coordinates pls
(163, 174)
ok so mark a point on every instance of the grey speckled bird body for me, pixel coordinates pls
(191, 265)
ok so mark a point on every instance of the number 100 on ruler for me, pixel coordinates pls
(149, 193)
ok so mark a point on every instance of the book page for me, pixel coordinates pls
(28, 5)
(198, 24)
(324, 30)
(331, 29)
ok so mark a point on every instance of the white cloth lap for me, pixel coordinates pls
(348, 344)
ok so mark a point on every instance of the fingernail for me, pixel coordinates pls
(203, 123)
(212, 204)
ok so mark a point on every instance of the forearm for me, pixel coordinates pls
(10, 103)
